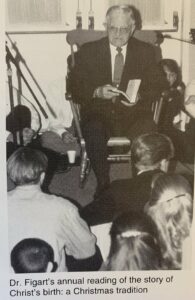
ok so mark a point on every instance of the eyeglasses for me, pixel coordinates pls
(120, 30)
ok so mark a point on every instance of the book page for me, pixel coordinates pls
(132, 90)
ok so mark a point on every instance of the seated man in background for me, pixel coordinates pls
(33, 256)
(150, 154)
(101, 69)
(56, 220)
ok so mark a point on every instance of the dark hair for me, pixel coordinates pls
(173, 67)
(32, 256)
(18, 119)
(133, 245)
(26, 165)
(150, 148)
(127, 9)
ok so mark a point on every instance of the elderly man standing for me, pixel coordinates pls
(101, 68)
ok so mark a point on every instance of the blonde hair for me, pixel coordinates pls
(26, 165)
(133, 244)
(170, 207)
(149, 149)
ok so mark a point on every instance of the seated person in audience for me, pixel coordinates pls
(150, 154)
(184, 137)
(54, 137)
(55, 141)
(25, 120)
(173, 95)
(33, 213)
(170, 207)
(33, 256)
(133, 244)
(18, 124)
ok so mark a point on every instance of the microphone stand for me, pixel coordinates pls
(19, 58)
(9, 75)
(10, 58)
(167, 36)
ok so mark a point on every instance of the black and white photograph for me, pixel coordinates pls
(100, 135)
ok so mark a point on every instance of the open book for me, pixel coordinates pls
(132, 90)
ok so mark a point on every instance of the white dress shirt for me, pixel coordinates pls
(114, 52)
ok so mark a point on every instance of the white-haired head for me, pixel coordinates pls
(121, 21)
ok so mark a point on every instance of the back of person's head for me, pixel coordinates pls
(133, 244)
(26, 165)
(151, 151)
(33, 256)
(170, 207)
(18, 119)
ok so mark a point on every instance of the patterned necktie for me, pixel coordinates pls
(118, 67)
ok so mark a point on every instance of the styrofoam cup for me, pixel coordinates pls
(71, 156)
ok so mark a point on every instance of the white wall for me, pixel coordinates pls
(46, 54)
(192, 47)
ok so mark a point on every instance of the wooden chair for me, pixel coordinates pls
(76, 38)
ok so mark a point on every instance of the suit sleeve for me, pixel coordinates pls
(82, 87)
(152, 82)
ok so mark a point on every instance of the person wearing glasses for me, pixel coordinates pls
(101, 69)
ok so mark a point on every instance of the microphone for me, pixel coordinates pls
(161, 38)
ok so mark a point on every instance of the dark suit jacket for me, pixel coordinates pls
(93, 69)
(122, 196)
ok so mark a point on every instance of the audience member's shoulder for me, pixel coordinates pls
(56, 198)
(11, 194)
(61, 202)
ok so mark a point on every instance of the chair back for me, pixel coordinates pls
(81, 36)
(78, 37)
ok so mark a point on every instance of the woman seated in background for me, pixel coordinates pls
(173, 95)
(170, 208)
(133, 244)
(184, 139)
(178, 112)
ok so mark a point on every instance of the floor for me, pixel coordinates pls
(67, 184)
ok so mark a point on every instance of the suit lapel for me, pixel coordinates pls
(105, 59)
